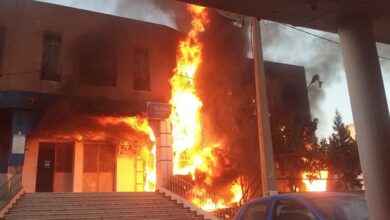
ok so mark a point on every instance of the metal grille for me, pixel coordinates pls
(10, 188)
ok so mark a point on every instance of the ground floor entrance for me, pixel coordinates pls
(54, 167)
(60, 166)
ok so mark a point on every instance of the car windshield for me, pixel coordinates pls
(342, 207)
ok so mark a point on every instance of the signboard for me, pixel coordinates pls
(159, 111)
(18, 143)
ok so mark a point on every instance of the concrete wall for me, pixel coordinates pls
(26, 21)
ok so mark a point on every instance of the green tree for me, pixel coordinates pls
(341, 154)
(296, 149)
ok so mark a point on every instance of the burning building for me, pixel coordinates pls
(74, 98)
(74, 88)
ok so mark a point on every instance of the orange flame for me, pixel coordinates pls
(315, 185)
(192, 152)
(145, 154)
(185, 115)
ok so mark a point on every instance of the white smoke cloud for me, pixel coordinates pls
(155, 11)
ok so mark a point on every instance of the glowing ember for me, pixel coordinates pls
(237, 192)
(315, 185)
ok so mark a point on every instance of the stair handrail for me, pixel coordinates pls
(10, 188)
(180, 187)
(183, 188)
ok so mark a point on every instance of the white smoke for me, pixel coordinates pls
(164, 12)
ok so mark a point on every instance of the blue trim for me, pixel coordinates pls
(25, 100)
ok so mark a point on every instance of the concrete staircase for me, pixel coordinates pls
(139, 205)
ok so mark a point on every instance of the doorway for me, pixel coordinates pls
(99, 167)
(55, 167)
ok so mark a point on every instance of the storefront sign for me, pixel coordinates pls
(159, 111)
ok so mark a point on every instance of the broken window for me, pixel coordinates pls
(2, 44)
(141, 78)
(51, 60)
(98, 64)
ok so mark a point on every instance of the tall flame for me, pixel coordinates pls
(185, 115)
(192, 151)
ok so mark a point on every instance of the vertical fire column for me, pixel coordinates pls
(369, 109)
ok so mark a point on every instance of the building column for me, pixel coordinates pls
(163, 132)
(267, 161)
(369, 109)
(78, 167)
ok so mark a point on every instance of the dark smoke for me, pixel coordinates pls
(172, 9)
(286, 45)
(226, 87)
(71, 117)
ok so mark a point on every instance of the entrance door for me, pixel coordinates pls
(45, 172)
(99, 168)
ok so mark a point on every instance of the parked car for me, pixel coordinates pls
(306, 206)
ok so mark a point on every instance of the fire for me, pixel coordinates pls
(185, 115)
(141, 153)
(237, 192)
(193, 152)
(207, 204)
(314, 185)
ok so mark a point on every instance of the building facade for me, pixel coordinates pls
(66, 77)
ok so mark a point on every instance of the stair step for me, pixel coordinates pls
(86, 206)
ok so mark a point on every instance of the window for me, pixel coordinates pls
(64, 157)
(98, 65)
(291, 210)
(141, 78)
(342, 207)
(2, 44)
(51, 60)
(256, 211)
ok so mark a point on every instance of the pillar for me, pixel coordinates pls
(369, 109)
(163, 132)
(268, 181)
(78, 167)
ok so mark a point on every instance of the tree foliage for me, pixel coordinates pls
(341, 154)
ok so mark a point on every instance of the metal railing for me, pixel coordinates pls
(10, 188)
(180, 187)
(226, 213)
(184, 188)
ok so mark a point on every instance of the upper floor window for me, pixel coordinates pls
(98, 65)
(2, 44)
(141, 77)
(51, 60)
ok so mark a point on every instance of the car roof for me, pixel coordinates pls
(317, 194)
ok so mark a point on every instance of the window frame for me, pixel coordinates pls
(57, 76)
(145, 56)
(3, 31)
(268, 204)
(296, 201)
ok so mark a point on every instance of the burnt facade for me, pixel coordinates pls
(57, 61)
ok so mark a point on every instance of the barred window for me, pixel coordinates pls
(51, 60)
(141, 78)
(2, 44)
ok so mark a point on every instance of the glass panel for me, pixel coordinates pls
(291, 210)
(90, 158)
(64, 157)
(343, 207)
(256, 211)
(51, 56)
